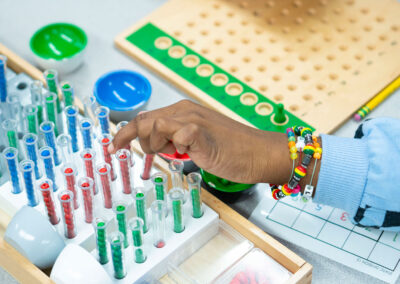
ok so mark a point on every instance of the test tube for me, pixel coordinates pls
(27, 168)
(68, 93)
(158, 210)
(100, 227)
(71, 113)
(69, 173)
(120, 213)
(51, 110)
(31, 118)
(176, 169)
(86, 127)
(89, 156)
(128, 147)
(148, 163)
(104, 171)
(90, 106)
(160, 181)
(64, 144)
(176, 196)
(46, 154)
(10, 127)
(105, 140)
(86, 186)
(51, 77)
(66, 198)
(194, 183)
(103, 115)
(31, 145)
(46, 188)
(136, 227)
(15, 109)
(116, 241)
(140, 197)
(124, 156)
(36, 89)
(48, 130)
(11, 156)
(3, 81)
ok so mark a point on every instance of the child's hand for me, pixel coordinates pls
(213, 141)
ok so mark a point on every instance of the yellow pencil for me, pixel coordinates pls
(379, 98)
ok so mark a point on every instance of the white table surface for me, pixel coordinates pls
(102, 20)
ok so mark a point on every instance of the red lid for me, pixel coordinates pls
(176, 156)
(45, 185)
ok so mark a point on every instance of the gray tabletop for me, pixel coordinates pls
(103, 20)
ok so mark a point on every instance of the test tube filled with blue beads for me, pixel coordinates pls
(30, 113)
(51, 110)
(68, 93)
(3, 81)
(71, 112)
(11, 156)
(46, 154)
(31, 145)
(136, 227)
(37, 98)
(51, 77)
(48, 130)
(86, 126)
(102, 114)
(116, 241)
(27, 167)
(65, 147)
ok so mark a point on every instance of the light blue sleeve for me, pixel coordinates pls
(362, 176)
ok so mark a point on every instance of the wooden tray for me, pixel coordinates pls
(25, 272)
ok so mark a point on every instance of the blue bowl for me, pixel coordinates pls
(124, 92)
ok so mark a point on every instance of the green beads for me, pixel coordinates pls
(159, 190)
(196, 203)
(12, 138)
(116, 243)
(68, 94)
(52, 81)
(100, 227)
(51, 110)
(176, 195)
(120, 211)
(160, 183)
(140, 199)
(136, 226)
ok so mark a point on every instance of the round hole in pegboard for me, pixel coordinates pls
(367, 28)
(203, 15)
(300, 39)
(330, 57)
(258, 31)
(317, 67)
(379, 19)
(233, 89)
(270, 4)
(271, 21)
(263, 88)
(248, 78)
(355, 38)
(249, 99)
(394, 28)
(216, 6)
(244, 23)
(231, 32)
(346, 67)
(276, 78)
(261, 68)
(284, 12)
(297, 3)
(264, 109)
(299, 20)
(304, 77)
(340, 29)
(219, 79)
(278, 98)
(324, 20)
(312, 30)
(275, 58)
(218, 41)
(204, 50)
(230, 14)
(352, 20)
(371, 47)
(191, 61)
(205, 70)
(272, 40)
(232, 50)
(302, 57)
(315, 48)
(383, 37)
(358, 56)
(190, 24)
(286, 30)
(204, 32)
(217, 23)
(177, 33)
(244, 4)
(259, 49)
(233, 69)
(320, 87)
(191, 42)
(245, 40)
(291, 87)
(176, 51)
(219, 60)
(311, 11)
(22, 86)
(364, 11)
(256, 13)
(337, 11)
(327, 39)
(289, 68)
(323, 2)
(163, 42)
(294, 107)
(307, 97)
(350, 2)
(343, 47)
(288, 49)
(333, 76)
(246, 59)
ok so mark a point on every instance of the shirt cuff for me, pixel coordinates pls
(343, 173)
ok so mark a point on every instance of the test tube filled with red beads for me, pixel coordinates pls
(86, 186)
(104, 172)
(105, 140)
(66, 198)
(89, 158)
(120, 125)
(148, 163)
(158, 210)
(69, 173)
(124, 156)
(46, 188)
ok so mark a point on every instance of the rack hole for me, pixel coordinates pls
(248, 99)
(219, 60)
(304, 77)
(320, 87)
(274, 58)
(218, 41)
(163, 42)
(248, 78)
(205, 70)
(233, 89)
(264, 109)
(333, 76)
(263, 88)
(261, 68)
(246, 59)
(233, 69)
(217, 23)
(317, 67)
(204, 32)
(278, 98)
(177, 51)
(232, 50)
(219, 79)
(291, 87)
(289, 68)
(177, 33)
(294, 107)
(330, 57)
(191, 61)
(245, 40)
(276, 78)
(190, 24)
(204, 51)
(307, 97)
(346, 66)
(259, 49)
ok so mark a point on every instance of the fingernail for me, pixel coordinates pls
(111, 148)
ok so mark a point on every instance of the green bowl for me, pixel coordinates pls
(59, 46)
(223, 184)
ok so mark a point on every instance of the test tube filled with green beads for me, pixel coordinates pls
(30, 113)
(51, 110)
(194, 184)
(51, 77)
(68, 93)
(158, 209)
(136, 227)
(116, 241)
(176, 196)
(140, 197)
(160, 181)
(100, 227)
(10, 128)
(120, 212)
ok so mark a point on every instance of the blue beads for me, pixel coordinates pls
(26, 168)
(46, 153)
(31, 144)
(86, 130)
(11, 155)
(71, 113)
(102, 114)
(3, 83)
(47, 128)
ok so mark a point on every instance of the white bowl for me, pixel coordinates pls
(63, 66)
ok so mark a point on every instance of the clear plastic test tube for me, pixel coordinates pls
(48, 130)
(14, 108)
(3, 81)
(46, 154)
(160, 181)
(104, 171)
(136, 227)
(27, 169)
(105, 140)
(120, 125)
(11, 156)
(65, 147)
(116, 241)
(140, 197)
(37, 99)
(86, 127)
(103, 116)
(69, 174)
(66, 198)
(68, 93)
(194, 184)
(51, 110)
(51, 77)
(100, 226)
(176, 169)
(124, 156)
(46, 188)
(31, 145)
(10, 128)
(176, 196)
(89, 158)
(120, 214)
(31, 118)
(71, 113)
(90, 106)
(86, 186)
(158, 210)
